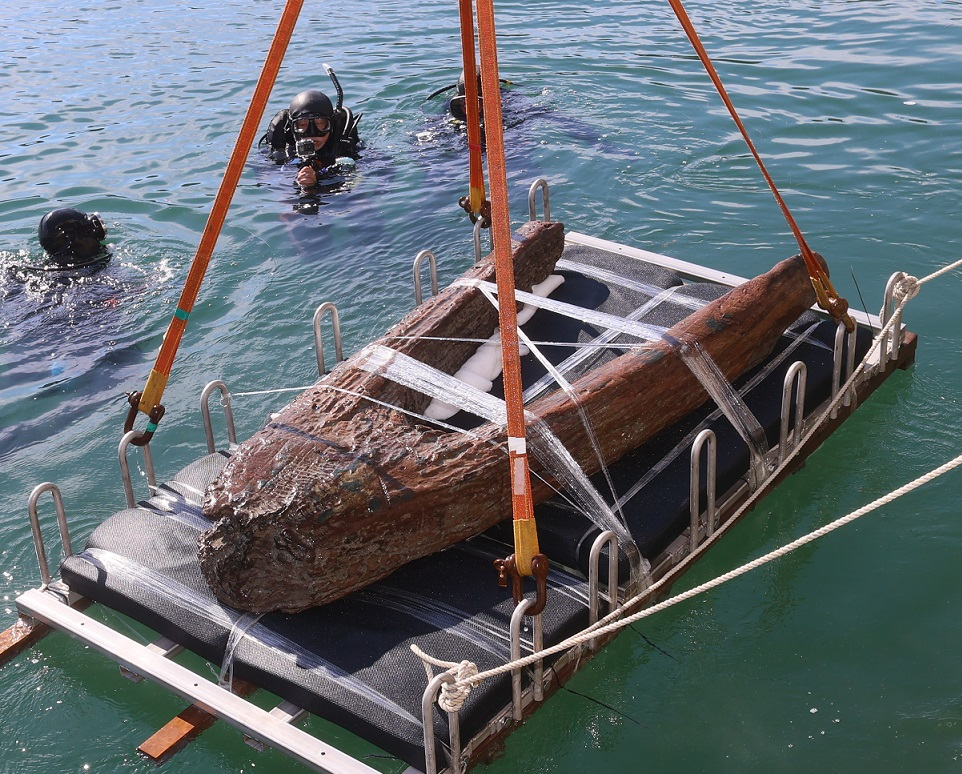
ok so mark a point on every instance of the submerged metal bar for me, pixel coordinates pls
(250, 719)
(706, 436)
(164, 646)
(286, 711)
(433, 265)
(327, 306)
(217, 384)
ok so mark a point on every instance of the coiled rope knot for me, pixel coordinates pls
(907, 287)
(453, 695)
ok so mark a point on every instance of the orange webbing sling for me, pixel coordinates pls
(148, 401)
(525, 533)
(828, 299)
(476, 199)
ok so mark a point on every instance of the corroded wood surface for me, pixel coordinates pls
(338, 492)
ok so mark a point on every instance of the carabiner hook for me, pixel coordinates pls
(484, 215)
(155, 415)
(539, 570)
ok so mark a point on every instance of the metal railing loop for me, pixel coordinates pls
(889, 346)
(427, 721)
(537, 638)
(433, 263)
(542, 185)
(125, 468)
(609, 539)
(327, 306)
(795, 379)
(38, 544)
(705, 437)
(217, 384)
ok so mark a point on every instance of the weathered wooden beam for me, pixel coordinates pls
(20, 636)
(186, 727)
(338, 491)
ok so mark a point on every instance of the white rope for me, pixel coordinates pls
(453, 695)
(598, 631)
(270, 392)
(940, 272)
(906, 288)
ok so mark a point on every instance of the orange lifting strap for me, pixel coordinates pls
(525, 532)
(148, 401)
(476, 199)
(828, 299)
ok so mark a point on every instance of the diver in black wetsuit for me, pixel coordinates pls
(315, 133)
(72, 239)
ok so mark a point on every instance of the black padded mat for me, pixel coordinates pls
(350, 661)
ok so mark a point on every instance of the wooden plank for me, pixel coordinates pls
(27, 631)
(186, 727)
(16, 639)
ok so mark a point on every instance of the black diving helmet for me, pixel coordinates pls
(311, 114)
(457, 103)
(70, 236)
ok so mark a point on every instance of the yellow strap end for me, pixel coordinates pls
(525, 544)
(153, 391)
(476, 198)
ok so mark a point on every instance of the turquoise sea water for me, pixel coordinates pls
(842, 657)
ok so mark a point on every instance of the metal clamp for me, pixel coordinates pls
(508, 569)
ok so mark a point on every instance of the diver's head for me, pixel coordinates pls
(71, 236)
(456, 105)
(311, 114)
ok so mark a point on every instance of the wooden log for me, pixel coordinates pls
(339, 492)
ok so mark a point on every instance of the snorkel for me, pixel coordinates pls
(337, 84)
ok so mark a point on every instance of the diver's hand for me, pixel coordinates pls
(306, 177)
